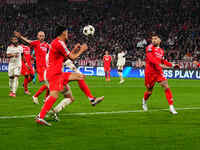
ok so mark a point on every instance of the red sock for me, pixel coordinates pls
(146, 95)
(106, 75)
(25, 84)
(42, 88)
(109, 75)
(169, 96)
(30, 79)
(83, 86)
(47, 93)
(47, 106)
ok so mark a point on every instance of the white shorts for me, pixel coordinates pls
(14, 70)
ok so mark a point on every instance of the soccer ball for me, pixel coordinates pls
(89, 30)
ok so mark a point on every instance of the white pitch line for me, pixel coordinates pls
(99, 113)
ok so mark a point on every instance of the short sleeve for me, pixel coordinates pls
(9, 50)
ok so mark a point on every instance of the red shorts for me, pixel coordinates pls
(40, 71)
(57, 82)
(151, 79)
(25, 71)
(106, 68)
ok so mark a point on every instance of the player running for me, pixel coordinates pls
(154, 72)
(121, 60)
(27, 69)
(41, 48)
(107, 63)
(14, 52)
(57, 79)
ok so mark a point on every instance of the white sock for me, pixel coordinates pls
(15, 85)
(65, 102)
(11, 83)
(120, 75)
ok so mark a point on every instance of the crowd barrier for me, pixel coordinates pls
(128, 72)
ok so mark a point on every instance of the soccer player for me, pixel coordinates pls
(107, 63)
(121, 60)
(56, 78)
(27, 69)
(14, 52)
(154, 72)
(41, 49)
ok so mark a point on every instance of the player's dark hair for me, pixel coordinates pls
(59, 30)
(155, 34)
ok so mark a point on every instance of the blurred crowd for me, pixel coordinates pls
(120, 25)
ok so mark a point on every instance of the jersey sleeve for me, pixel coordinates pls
(34, 43)
(9, 51)
(63, 49)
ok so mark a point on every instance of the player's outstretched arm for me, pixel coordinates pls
(75, 54)
(196, 63)
(18, 35)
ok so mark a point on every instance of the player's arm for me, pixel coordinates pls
(196, 63)
(24, 60)
(75, 53)
(10, 54)
(18, 35)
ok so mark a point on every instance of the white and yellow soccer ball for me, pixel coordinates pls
(89, 30)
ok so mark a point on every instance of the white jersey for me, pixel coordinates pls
(71, 65)
(17, 61)
(121, 59)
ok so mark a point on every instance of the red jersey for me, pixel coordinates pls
(27, 54)
(107, 60)
(154, 57)
(57, 55)
(41, 50)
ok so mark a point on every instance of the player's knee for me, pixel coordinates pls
(72, 99)
(55, 94)
(149, 92)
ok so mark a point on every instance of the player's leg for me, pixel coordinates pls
(168, 95)
(120, 70)
(149, 83)
(109, 74)
(11, 79)
(68, 99)
(42, 88)
(55, 86)
(26, 81)
(17, 71)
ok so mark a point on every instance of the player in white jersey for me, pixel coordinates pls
(14, 52)
(121, 60)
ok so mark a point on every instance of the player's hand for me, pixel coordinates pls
(176, 66)
(84, 47)
(16, 54)
(195, 62)
(77, 46)
(17, 34)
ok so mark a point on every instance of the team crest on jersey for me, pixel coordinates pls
(149, 49)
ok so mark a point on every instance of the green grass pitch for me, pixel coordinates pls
(153, 130)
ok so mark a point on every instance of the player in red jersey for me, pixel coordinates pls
(41, 49)
(57, 79)
(27, 69)
(154, 72)
(107, 63)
